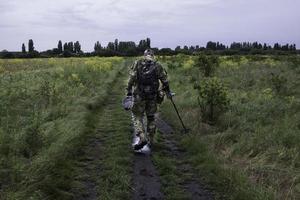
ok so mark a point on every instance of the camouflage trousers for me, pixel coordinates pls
(143, 112)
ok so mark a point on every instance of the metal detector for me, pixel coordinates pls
(184, 128)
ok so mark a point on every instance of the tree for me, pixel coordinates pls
(192, 49)
(166, 51)
(6, 54)
(177, 49)
(59, 47)
(292, 47)
(148, 42)
(71, 47)
(97, 47)
(23, 48)
(127, 48)
(77, 47)
(116, 45)
(277, 46)
(65, 46)
(220, 46)
(30, 46)
(143, 45)
(111, 46)
(211, 45)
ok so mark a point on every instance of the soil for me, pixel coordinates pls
(194, 186)
(146, 182)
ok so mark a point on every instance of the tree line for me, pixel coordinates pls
(130, 48)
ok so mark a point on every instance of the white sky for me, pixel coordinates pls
(167, 22)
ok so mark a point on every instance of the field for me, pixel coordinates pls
(45, 107)
(255, 142)
(64, 135)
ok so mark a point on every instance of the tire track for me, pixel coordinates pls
(146, 180)
(107, 125)
(194, 187)
(108, 168)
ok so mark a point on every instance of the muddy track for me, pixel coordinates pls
(194, 186)
(108, 168)
(89, 165)
(102, 128)
(146, 181)
(101, 148)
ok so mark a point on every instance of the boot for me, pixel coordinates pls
(139, 145)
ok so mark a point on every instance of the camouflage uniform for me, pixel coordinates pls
(145, 95)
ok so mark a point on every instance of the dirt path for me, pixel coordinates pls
(146, 181)
(89, 167)
(105, 162)
(108, 168)
(195, 188)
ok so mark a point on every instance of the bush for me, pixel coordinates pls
(278, 82)
(213, 98)
(207, 64)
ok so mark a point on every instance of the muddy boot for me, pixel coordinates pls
(140, 145)
(142, 142)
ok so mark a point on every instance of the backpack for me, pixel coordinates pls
(147, 78)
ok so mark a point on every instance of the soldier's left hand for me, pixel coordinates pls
(169, 94)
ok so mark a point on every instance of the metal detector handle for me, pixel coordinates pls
(185, 129)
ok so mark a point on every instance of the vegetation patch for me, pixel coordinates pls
(45, 107)
(252, 149)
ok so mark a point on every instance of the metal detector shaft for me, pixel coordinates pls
(178, 115)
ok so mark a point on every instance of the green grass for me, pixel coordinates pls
(115, 178)
(49, 107)
(171, 177)
(45, 109)
(254, 146)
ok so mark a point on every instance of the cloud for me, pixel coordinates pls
(166, 22)
(106, 13)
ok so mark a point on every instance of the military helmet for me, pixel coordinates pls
(148, 53)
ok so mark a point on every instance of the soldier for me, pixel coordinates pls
(146, 77)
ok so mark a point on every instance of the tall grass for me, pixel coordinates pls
(258, 136)
(44, 107)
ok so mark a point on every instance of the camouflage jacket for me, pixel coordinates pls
(135, 84)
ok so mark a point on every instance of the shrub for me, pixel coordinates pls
(207, 64)
(213, 98)
(173, 65)
(278, 82)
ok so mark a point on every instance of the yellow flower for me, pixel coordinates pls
(189, 64)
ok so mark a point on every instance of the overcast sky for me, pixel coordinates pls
(167, 22)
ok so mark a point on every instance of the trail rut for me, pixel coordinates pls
(194, 186)
(108, 168)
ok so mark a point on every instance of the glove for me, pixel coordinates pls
(169, 94)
